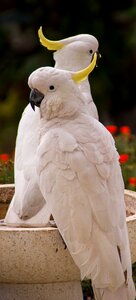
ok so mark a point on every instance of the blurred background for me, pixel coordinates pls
(113, 83)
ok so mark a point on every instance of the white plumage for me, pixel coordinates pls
(80, 178)
(27, 200)
(28, 206)
(74, 56)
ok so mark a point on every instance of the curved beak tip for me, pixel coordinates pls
(35, 98)
(32, 105)
(98, 58)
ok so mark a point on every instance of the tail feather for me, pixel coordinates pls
(125, 292)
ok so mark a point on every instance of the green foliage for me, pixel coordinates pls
(87, 289)
(126, 144)
(6, 172)
(134, 273)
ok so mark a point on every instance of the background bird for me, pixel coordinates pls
(73, 54)
(80, 178)
(28, 206)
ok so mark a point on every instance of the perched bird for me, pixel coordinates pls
(80, 177)
(74, 54)
(28, 205)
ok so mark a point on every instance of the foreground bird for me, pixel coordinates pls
(74, 54)
(80, 177)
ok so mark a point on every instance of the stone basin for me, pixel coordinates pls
(7, 191)
(34, 263)
(34, 255)
(130, 200)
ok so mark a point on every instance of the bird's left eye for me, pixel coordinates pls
(90, 51)
(51, 87)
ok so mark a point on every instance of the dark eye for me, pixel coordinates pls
(51, 87)
(90, 51)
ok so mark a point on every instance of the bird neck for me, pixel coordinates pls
(53, 123)
(73, 66)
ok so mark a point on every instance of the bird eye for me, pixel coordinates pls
(90, 51)
(51, 87)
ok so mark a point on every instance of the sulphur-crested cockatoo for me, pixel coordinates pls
(73, 54)
(28, 206)
(80, 177)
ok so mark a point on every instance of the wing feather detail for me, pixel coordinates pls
(88, 210)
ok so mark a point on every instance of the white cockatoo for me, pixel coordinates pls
(74, 54)
(28, 207)
(80, 177)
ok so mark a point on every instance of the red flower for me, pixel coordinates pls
(4, 157)
(123, 158)
(112, 128)
(132, 181)
(125, 130)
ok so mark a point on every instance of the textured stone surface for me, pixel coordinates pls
(6, 192)
(130, 199)
(3, 209)
(131, 223)
(34, 255)
(52, 291)
(34, 265)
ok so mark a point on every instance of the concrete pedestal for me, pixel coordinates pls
(34, 265)
(52, 291)
(130, 200)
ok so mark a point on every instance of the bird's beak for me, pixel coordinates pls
(82, 74)
(35, 98)
(98, 57)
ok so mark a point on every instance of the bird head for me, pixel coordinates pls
(73, 53)
(56, 91)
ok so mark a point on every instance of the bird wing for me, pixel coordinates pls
(75, 178)
(27, 200)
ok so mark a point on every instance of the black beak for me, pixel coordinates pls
(35, 98)
(98, 57)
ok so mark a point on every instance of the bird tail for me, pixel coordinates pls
(125, 292)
